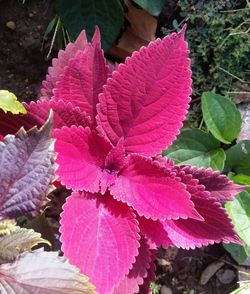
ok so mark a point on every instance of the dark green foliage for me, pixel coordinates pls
(86, 14)
(218, 41)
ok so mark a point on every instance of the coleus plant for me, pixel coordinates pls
(110, 128)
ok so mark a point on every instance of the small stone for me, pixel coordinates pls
(31, 14)
(166, 290)
(11, 25)
(225, 276)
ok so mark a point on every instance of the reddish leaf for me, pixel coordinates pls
(153, 191)
(219, 186)
(65, 114)
(130, 283)
(82, 81)
(81, 154)
(100, 236)
(147, 98)
(145, 287)
(10, 123)
(37, 113)
(215, 228)
(114, 162)
(58, 64)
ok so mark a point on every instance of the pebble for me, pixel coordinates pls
(166, 290)
(225, 276)
(11, 25)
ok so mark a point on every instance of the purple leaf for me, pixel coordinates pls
(100, 236)
(147, 98)
(27, 171)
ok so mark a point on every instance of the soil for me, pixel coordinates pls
(23, 63)
(23, 66)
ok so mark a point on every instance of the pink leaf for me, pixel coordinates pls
(130, 283)
(215, 228)
(82, 80)
(154, 232)
(58, 64)
(100, 236)
(81, 156)
(219, 186)
(147, 98)
(153, 191)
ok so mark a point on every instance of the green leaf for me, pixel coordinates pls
(153, 7)
(9, 102)
(193, 147)
(238, 158)
(237, 252)
(218, 157)
(241, 179)
(81, 14)
(221, 116)
(17, 242)
(42, 272)
(239, 212)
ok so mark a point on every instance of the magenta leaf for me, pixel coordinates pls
(215, 228)
(131, 282)
(154, 232)
(152, 190)
(100, 236)
(219, 186)
(147, 98)
(58, 64)
(82, 81)
(81, 156)
(27, 171)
